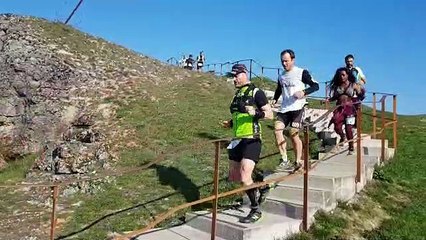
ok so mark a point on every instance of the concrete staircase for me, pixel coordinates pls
(331, 180)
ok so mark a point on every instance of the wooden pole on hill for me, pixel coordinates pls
(358, 144)
(395, 138)
(382, 155)
(305, 178)
(53, 216)
(73, 11)
(374, 115)
(251, 68)
(215, 190)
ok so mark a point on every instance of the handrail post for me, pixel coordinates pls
(382, 155)
(358, 144)
(374, 115)
(216, 188)
(53, 216)
(305, 178)
(326, 95)
(395, 139)
(251, 68)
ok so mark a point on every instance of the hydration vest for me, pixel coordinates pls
(244, 125)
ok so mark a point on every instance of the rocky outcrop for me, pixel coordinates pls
(50, 74)
(81, 151)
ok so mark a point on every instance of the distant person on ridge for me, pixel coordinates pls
(189, 62)
(345, 90)
(291, 85)
(201, 59)
(182, 61)
(356, 71)
(248, 106)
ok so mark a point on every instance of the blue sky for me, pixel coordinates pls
(387, 37)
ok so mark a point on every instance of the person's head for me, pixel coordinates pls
(239, 73)
(190, 55)
(287, 59)
(349, 60)
(342, 76)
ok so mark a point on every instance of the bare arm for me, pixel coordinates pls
(268, 111)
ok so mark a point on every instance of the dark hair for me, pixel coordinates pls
(336, 79)
(349, 56)
(290, 52)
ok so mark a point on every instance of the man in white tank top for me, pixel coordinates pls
(291, 86)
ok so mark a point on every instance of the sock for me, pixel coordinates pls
(251, 193)
(264, 189)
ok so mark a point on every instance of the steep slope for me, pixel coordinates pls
(81, 104)
(52, 74)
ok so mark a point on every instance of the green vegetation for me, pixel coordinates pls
(16, 169)
(264, 83)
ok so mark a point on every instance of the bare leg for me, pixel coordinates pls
(279, 137)
(298, 146)
(246, 170)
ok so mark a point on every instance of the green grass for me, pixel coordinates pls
(16, 169)
(264, 83)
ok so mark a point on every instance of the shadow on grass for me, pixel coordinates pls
(180, 182)
(163, 171)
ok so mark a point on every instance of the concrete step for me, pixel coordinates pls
(339, 178)
(374, 143)
(271, 226)
(289, 207)
(183, 232)
(377, 151)
(369, 161)
(343, 186)
(321, 198)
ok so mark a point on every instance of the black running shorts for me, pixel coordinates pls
(292, 119)
(248, 148)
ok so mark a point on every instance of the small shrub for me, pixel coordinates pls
(379, 174)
